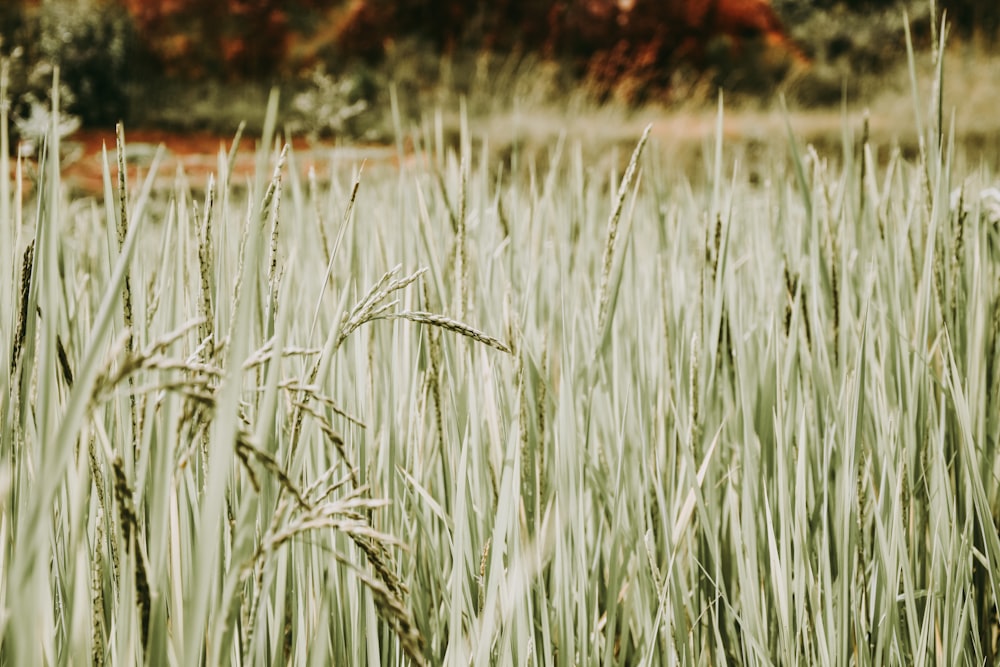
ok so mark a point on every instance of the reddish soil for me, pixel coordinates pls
(188, 158)
(195, 155)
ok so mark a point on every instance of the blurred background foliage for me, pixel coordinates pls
(203, 64)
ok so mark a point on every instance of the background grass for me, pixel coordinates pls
(516, 408)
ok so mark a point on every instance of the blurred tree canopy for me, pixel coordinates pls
(229, 38)
(110, 49)
(252, 38)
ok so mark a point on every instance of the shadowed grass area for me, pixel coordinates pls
(535, 408)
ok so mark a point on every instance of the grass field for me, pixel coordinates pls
(519, 409)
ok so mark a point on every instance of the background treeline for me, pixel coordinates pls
(117, 55)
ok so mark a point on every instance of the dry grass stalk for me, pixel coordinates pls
(27, 267)
(206, 264)
(462, 242)
(274, 212)
(483, 560)
(393, 610)
(266, 353)
(238, 282)
(541, 398)
(122, 364)
(331, 434)
(315, 395)
(448, 324)
(246, 450)
(694, 428)
(612, 233)
(373, 306)
(130, 528)
(317, 212)
(63, 359)
(528, 466)
(127, 284)
(97, 631)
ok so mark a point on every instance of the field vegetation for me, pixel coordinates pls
(518, 408)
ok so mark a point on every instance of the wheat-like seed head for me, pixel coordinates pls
(448, 324)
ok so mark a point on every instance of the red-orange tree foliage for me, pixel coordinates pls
(608, 40)
(230, 38)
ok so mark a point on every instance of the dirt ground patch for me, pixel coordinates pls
(188, 158)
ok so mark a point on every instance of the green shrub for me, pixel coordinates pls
(91, 43)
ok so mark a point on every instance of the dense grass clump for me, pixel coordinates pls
(525, 411)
